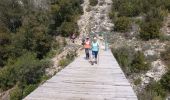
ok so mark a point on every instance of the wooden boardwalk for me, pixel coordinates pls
(82, 81)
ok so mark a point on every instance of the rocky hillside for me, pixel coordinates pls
(139, 39)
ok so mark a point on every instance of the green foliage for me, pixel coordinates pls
(124, 57)
(132, 8)
(153, 91)
(156, 14)
(26, 38)
(131, 61)
(112, 15)
(26, 70)
(150, 30)
(16, 94)
(165, 81)
(137, 81)
(122, 24)
(28, 89)
(127, 8)
(11, 17)
(65, 14)
(65, 61)
(152, 11)
(93, 2)
(139, 63)
(67, 28)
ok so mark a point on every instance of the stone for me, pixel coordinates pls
(149, 74)
(149, 53)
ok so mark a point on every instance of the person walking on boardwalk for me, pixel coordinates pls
(95, 50)
(87, 46)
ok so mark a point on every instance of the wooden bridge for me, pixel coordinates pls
(83, 81)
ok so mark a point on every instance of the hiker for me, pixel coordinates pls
(95, 50)
(87, 46)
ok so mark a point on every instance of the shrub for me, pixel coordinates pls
(26, 70)
(122, 24)
(93, 2)
(67, 28)
(156, 14)
(128, 9)
(124, 57)
(131, 61)
(150, 30)
(139, 63)
(165, 81)
(153, 91)
(63, 62)
(137, 81)
(16, 94)
(69, 57)
(28, 89)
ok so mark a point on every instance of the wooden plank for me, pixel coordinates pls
(82, 81)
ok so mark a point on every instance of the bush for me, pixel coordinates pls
(128, 9)
(122, 24)
(139, 63)
(28, 89)
(154, 91)
(67, 28)
(16, 94)
(137, 81)
(165, 81)
(65, 61)
(150, 30)
(26, 70)
(124, 57)
(93, 2)
(131, 61)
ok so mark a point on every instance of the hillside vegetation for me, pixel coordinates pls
(27, 36)
(152, 12)
(138, 23)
